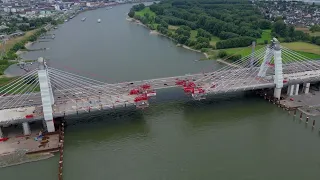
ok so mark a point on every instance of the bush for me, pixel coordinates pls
(235, 42)
(204, 50)
(131, 14)
(222, 54)
(235, 57)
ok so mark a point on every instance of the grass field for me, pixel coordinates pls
(18, 89)
(193, 34)
(9, 44)
(306, 30)
(214, 40)
(315, 34)
(243, 51)
(305, 49)
(309, 55)
(266, 35)
(302, 46)
(5, 80)
(170, 27)
(144, 11)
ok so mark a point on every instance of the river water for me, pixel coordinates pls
(236, 136)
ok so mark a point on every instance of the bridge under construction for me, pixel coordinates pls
(46, 93)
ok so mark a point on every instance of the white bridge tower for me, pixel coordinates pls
(273, 51)
(46, 95)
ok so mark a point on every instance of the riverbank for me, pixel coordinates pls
(155, 32)
(16, 47)
(27, 46)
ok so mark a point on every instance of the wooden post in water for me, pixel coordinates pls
(61, 144)
(314, 123)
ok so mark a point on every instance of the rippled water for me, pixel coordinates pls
(235, 136)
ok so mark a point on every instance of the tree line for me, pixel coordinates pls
(235, 19)
(11, 54)
(237, 23)
(25, 24)
(289, 34)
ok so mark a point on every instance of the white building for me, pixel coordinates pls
(6, 9)
(57, 7)
(89, 4)
(14, 10)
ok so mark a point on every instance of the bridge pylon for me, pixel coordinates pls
(46, 95)
(278, 70)
(273, 51)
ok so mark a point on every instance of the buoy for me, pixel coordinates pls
(307, 119)
(295, 112)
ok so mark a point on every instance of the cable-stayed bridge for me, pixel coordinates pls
(46, 93)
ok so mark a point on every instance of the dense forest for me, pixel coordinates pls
(235, 23)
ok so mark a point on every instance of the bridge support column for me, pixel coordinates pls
(1, 133)
(26, 128)
(277, 93)
(297, 89)
(306, 88)
(278, 75)
(291, 90)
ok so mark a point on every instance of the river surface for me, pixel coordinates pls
(236, 136)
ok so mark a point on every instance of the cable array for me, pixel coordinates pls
(69, 88)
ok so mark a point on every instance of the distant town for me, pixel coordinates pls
(18, 16)
(294, 13)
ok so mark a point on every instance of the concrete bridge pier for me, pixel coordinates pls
(1, 133)
(297, 89)
(277, 93)
(290, 90)
(26, 128)
(306, 88)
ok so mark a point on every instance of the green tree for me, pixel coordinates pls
(280, 28)
(131, 14)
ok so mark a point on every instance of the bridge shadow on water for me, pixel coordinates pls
(103, 125)
(216, 108)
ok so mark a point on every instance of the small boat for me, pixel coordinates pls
(56, 27)
(109, 8)
(83, 19)
(99, 20)
(53, 36)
